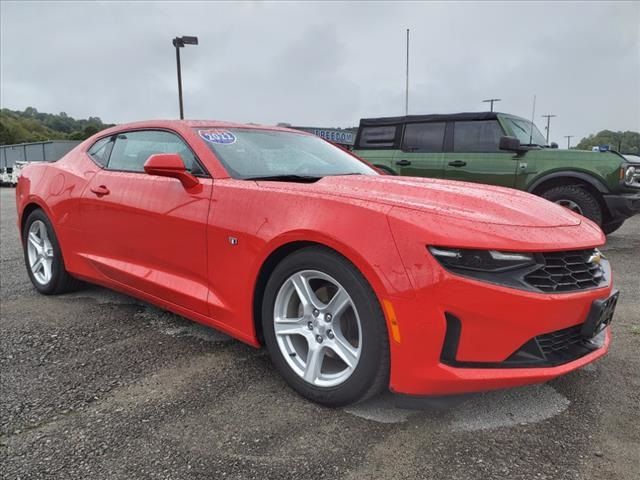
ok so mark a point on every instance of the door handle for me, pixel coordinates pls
(100, 190)
(403, 162)
(457, 163)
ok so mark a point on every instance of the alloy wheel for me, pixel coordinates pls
(571, 205)
(317, 327)
(40, 252)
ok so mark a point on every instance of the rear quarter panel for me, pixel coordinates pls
(56, 188)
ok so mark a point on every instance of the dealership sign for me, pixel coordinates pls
(335, 135)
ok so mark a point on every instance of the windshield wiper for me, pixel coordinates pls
(288, 178)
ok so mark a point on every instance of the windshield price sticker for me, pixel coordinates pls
(220, 137)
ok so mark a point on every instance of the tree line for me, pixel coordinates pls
(32, 126)
(624, 142)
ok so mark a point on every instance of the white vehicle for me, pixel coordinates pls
(9, 176)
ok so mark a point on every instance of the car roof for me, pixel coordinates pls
(181, 124)
(437, 117)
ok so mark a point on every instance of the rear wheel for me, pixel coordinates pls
(324, 328)
(43, 257)
(576, 199)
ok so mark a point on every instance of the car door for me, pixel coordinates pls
(473, 154)
(149, 232)
(377, 144)
(421, 152)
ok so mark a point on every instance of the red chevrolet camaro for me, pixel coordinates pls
(354, 281)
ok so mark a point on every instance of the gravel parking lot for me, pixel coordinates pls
(95, 384)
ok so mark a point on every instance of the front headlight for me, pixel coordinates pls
(501, 268)
(548, 272)
(480, 260)
(631, 175)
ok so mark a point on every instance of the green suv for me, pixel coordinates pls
(502, 149)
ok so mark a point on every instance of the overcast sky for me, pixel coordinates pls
(325, 63)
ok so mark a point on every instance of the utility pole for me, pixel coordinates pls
(491, 100)
(568, 137)
(180, 42)
(548, 117)
(406, 97)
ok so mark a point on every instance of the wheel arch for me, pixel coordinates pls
(29, 206)
(566, 178)
(282, 251)
(594, 186)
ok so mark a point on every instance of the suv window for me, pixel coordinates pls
(423, 137)
(477, 136)
(378, 137)
(132, 149)
(100, 150)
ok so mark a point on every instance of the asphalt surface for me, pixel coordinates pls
(99, 385)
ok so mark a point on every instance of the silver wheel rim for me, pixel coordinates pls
(317, 328)
(571, 205)
(40, 252)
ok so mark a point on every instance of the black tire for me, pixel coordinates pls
(61, 281)
(586, 202)
(612, 226)
(371, 374)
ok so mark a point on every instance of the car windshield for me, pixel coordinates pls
(249, 153)
(526, 132)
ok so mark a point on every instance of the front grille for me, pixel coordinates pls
(563, 345)
(554, 348)
(546, 350)
(567, 271)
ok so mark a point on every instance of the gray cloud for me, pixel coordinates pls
(325, 63)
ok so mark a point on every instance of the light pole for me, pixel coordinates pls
(180, 42)
(491, 100)
(568, 137)
(548, 117)
(406, 91)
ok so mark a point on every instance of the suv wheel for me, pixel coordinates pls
(577, 200)
(612, 226)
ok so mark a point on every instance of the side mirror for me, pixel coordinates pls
(170, 165)
(510, 143)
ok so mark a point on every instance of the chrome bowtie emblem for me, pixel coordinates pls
(596, 257)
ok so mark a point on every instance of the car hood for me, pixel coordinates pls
(461, 200)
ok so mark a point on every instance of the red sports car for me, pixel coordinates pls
(354, 281)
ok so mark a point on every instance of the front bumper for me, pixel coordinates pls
(622, 206)
(495, 323)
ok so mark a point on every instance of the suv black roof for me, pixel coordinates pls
(439, 117)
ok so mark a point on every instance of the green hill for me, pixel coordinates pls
(34, 126)
(624, 142)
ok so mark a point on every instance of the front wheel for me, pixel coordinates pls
(324, 328)
(612, 226)
(576, 199)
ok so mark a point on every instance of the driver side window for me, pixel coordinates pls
(132, 149)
